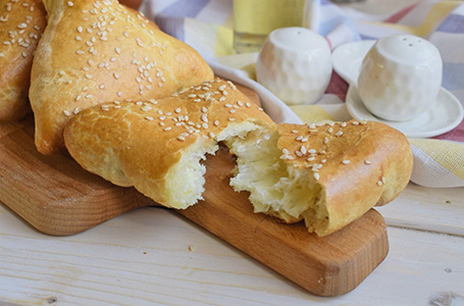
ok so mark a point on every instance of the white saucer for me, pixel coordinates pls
(445, 116)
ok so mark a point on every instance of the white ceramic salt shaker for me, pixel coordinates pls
(295, 64)
(400, 77)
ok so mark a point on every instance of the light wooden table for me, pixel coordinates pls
(152, 255)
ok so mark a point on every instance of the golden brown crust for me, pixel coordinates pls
(136, 143)
(21, 25)
(98, 51)
(357, 164)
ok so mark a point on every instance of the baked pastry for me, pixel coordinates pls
(98, 51)
(21, 25)
(157, 145)
(328, 174)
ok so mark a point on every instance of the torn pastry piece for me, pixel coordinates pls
(21, 24)
(97, 51)
(329, 174)
(157, 145)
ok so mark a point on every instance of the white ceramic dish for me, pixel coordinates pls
(445, 116)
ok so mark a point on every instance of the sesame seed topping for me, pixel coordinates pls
(326, 140)
(149, 118)
(294, 132)
(167, 128)
(339, 133)
(343, 124)
(345, 162)
(216, 123)
(67, 113)
(316, 176)
(286, 156)
(178, 110)
(367, 162)
(70, 3)
(312, 151)
(379, 183)
(354, 122)
(180, 138)
(116, 75)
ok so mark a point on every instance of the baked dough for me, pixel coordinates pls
(328, 174)
(21, 25)
(325, 174)
(98, 51)
(157, 145)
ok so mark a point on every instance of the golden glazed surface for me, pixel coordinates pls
(21, 25)
(325, 174)
(139, 143)
(98, 51)
(357, 164)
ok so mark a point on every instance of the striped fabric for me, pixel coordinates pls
(207, 26)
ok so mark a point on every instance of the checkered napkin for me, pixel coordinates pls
(207, 25)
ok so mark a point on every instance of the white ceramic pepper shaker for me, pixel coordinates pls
(400, 77)
(295, 64)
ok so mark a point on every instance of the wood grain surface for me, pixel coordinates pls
(58, 197)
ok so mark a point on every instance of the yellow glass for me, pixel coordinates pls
(255, 19)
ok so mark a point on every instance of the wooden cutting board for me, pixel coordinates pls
(57, 197)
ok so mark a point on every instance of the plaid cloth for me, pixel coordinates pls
(207, 25)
